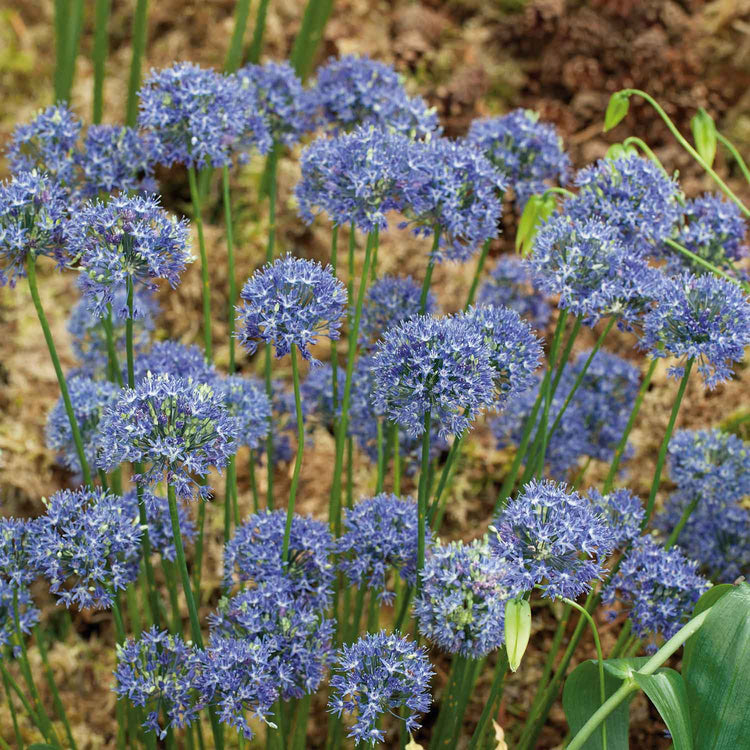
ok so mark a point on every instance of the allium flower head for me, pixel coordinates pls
(159, 672)
(461, 605)
(354, 91)
(47, 144)
(658, 587)
(253, 555)
(286, 106)
(436, 365)
(116, 158)
(703, 318)
(126, 238)
(633, 195)
(380, 673)
(551, 536)
(33, 212)
(528, 153)
(246, 401)
(175, 359)
(87, 545)
(514, 350)
(90, 399)
(28, 614)
(290, 303)
(380, 534)
(298, 636)
(16, 544)
(623, 512)
(509, 285)
(595, 274)
(179, 427)
(200, 117)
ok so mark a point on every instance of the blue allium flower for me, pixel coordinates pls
(380, 673)
(509, 285)
(298, 636)
(290, 303)
(287, 108)
(246, 401)
(461, 605)
(633, 195)
(175, 359)
(593, 271)
(33, 212)
(89, 398)
(159, 672)
(355, 91)
(87, 545)
(528, 153)
(623, 511)
(47, 144)
(126, 238)
(714, 229)
(89, 340)
(116, 158)
(552, 536)
(703, 318)
(200, 117)
(28, 614)
(238, 676)
(459, 197)
(17, 537)
(253, 555)
(179, 427)
(658, 588)
(437, 365)
(515, 352)
(380, 534)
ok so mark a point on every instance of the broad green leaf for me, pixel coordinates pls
(707, 600)
(581, 699)
(617, 108)
(622, 668)
(528, 220)
(517, 630)
(666, 690)
(704, 135)
(716, 669)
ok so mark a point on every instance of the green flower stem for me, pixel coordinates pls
(170, 575)
(32, 714)
(205, 282)
(253, 482)
(230, 261)
(297, 460)
(477, 274)
(665, 443)
(101, 50)
(456, 719)
(549, 663)
(334, 342)
(256, 45)
(229, 480)
(34, 289)
(422, 497)
(618, 648)
(396, 451)
(113, 363)
(267, 376)
(407, 594)
(120, 639)
(300, 722)
(558, 191)
(672, 540)
(635, 141)
(349, 472)
(381, 458)
(729, 146)
(140, 30)
(449, 700)
(234, 53)
(453, 454)
(12, 708)
(496, 692)
(359, 607)
(373, 613)
(307, 40)
(198, 560)
(705, 264)
(428, 273)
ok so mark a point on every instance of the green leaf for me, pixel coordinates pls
(517, 630)
(41, 746)
(617, 108)
(704, 135)
(711, 597)
(528, 220)
(715, 670)
(666, 690)
(581, 700)
(618, 151)
(623, 668)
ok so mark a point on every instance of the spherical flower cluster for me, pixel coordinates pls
(515, 352)
(246, 401)
(47, 144)
(658, 587)
(287, 108)
(200, 117)
(528, 153)
(16, 541)
(461, 605)
(552, 537)
(703, 318)
(355, 91)
(633, 195)
(380, 673)
(290, 303)
(623, 511)
(509, 285)
(179, 427)
(253, 555)
(593, 271)
(116, 158)
(158, 672)
(15, 600)
(87, 545)
(298, 636)
(126, 239)
(90, 399)
(175, 359)
(389, 301)
(33, 212)
(435, 366)
(380, 534)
